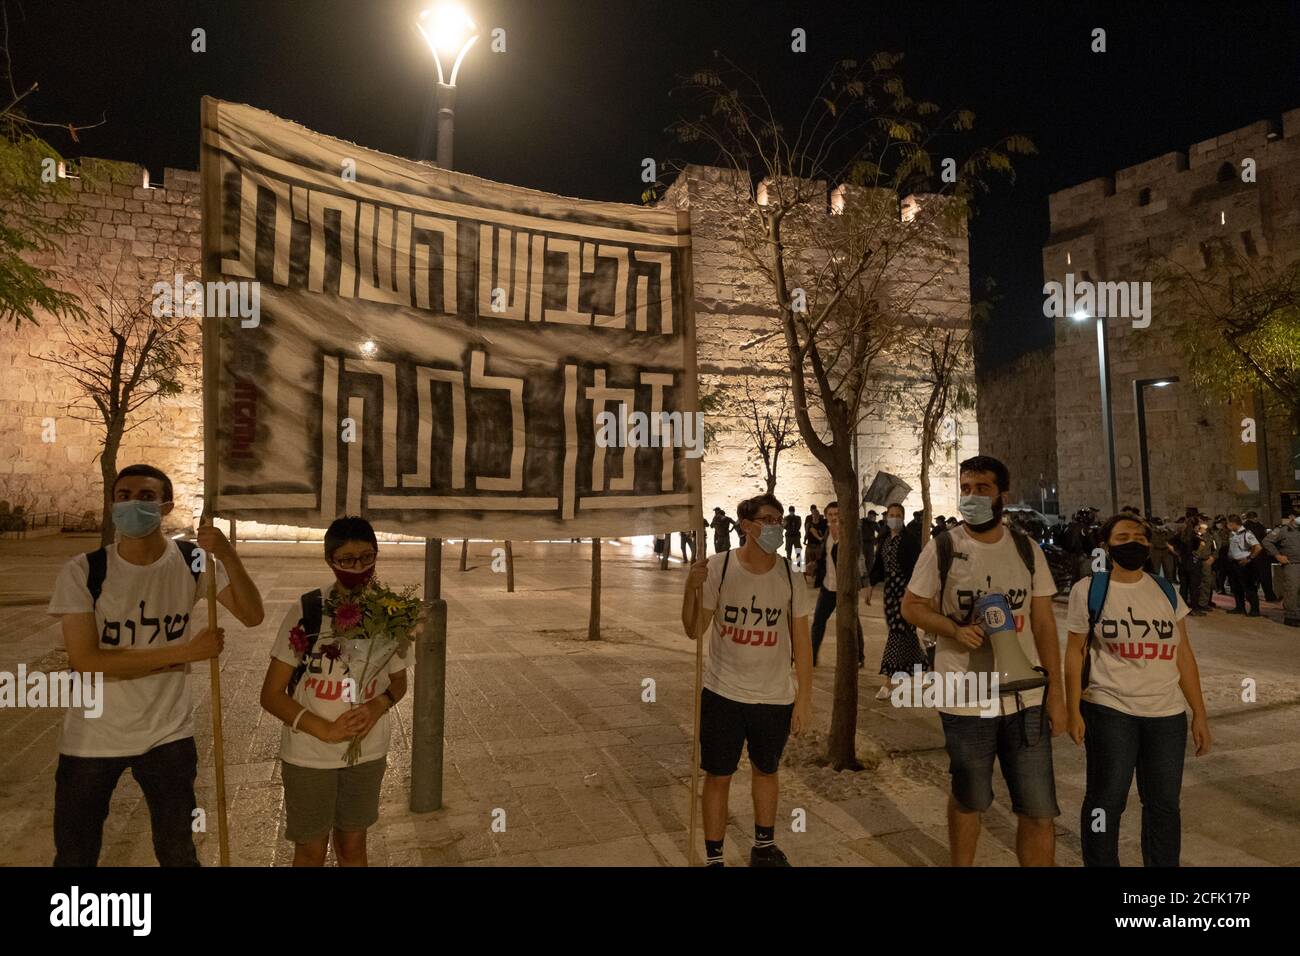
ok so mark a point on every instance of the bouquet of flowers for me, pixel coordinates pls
(369, 627)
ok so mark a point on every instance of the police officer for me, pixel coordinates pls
(1263, 562)
(1283, 543)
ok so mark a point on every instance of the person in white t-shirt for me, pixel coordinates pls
(989, 557)
(1142, 678)
(325, 798)
(758, 607)
(126, 613)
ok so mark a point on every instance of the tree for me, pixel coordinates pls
(120, 359)
(945, 388)
(845, 286)
(1241, 323)
(35, 209)
(773, 431)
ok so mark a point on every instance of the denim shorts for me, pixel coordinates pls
(1022, 744)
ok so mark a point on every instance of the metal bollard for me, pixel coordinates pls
(429, 711)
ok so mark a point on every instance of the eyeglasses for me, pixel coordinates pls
(360, 561)
(769, 520)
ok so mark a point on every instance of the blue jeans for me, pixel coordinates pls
(1118, 744)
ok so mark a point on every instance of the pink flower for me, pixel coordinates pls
(347, 616)
(332, 651)
(298, 639)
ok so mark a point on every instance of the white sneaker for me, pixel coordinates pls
(884, 692)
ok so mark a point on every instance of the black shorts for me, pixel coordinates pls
(725, 726)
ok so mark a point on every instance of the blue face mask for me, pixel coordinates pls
(771, 538)
(137, 519)
(976, 509)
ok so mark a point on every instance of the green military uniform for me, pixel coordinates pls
(1284, 541)
(1205, 593)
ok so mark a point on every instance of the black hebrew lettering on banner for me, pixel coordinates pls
(435, 351)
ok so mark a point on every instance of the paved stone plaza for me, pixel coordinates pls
(552, 729)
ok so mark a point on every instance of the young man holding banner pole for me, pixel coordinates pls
(126, 613)
(756, 609)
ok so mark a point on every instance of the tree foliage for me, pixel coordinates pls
(36, 209)
(1240, 328)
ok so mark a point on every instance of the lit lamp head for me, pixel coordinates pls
(450, 33)
(1080, 316)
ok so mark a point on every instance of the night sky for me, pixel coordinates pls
(583, 92)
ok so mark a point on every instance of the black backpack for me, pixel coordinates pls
(97, 567)
(310, 622)
(943, 543)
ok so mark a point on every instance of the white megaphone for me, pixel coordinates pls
(1014, 672)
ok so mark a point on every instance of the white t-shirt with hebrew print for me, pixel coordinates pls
(980, 568)
(750, 646)
(320, 690)
(1134, 652)
(140, 606)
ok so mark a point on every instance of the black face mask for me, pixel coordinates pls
(1130, 555)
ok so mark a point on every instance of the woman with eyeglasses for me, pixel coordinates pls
(325, 798)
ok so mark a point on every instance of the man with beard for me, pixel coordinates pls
(986, 557)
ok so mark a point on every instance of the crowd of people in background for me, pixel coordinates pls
(1203, 555)
(1228, 554)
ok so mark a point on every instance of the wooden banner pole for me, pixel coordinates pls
(210, 211)
(218, 738)
(692, 407)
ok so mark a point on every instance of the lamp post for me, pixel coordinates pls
(1139, 401)
(1103, 372)
(450, 33)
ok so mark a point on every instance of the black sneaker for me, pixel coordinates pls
(1252, 614)
(769, 855)
(1236, 610)
(717, 862)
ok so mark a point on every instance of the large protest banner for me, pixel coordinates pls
(434, 351)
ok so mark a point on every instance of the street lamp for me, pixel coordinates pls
(1139, 401)
(1103, 371)
(450, 32)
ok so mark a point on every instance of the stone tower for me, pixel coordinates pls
(1103, 230)
(734, 309)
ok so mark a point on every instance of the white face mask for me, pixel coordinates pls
(770, 538)
(894, 523)
(976, 509)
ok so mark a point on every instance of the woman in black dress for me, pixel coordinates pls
(896, 556)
